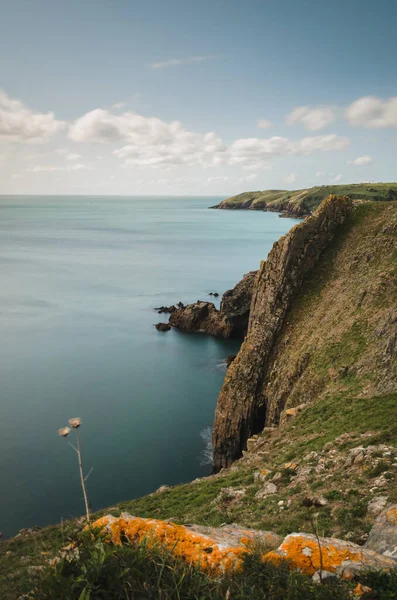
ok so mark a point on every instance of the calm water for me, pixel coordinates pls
(80, 278)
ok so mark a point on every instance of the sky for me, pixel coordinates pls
(183, 97)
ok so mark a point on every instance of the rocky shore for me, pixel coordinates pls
(230, 321)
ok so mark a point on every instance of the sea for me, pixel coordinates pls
(80, 280)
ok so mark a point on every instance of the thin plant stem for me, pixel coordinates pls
(78, 450)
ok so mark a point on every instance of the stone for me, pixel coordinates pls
(162, 488)
(214, 550)
(163, 327)
(267, 490)
(261, 475)
(291, 413)
(166, 309)
(383, 535)
(377, 505)
(324, 577)
(356, 456)
(309, 554)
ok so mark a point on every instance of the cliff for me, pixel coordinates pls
(241, 409)
(300, 203)
(230, 321)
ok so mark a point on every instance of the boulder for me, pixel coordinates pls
(383, 535)
(268, 489)
(166, 309)
(214, 550)
(377, 505)
(309, 554)
(163, 327)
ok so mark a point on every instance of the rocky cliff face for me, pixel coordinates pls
(241, 407)
(230, 321)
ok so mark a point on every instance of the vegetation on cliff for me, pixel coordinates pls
(302, 202)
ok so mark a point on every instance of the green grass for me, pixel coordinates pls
(95, 569)
(303, 202)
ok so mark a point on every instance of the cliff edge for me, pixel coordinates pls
(323, 310)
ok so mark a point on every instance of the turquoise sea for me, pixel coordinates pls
(80, 277)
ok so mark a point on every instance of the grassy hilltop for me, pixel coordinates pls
(323, 469)
(303, 202)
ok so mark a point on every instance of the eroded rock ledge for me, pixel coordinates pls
(241, 407)
(230, 321)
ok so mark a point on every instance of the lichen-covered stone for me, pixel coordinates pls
(309, 554)
(383, 535)
(215, 550)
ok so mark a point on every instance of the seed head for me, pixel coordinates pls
(64, 432)
(75, 423)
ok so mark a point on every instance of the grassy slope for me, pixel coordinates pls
(348, 403)
(305, 201)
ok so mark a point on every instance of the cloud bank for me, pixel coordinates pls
(20, 124)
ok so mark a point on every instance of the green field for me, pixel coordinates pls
(303, 202)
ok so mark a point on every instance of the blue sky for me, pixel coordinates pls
(183, 97)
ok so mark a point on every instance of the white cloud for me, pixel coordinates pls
(372, 113)
(338, 177)
(312, 118)
(254, 153)
(56, 168)
(248, 178)
(216, 179)
(361, 161)
(118, 105)
(151, 142)
(72, 156)
(291, 178)
(19, 124)
(264, 123)
(174, 62)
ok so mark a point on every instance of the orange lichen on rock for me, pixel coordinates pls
(360, 590)
(391, 515)
(192, 547)
(309, 554)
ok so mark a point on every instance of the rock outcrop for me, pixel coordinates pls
(230, 321)
(221, 549)
(215, 550)
(241, 407)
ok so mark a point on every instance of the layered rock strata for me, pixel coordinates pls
(241, 407)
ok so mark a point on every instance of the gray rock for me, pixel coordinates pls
(324, 577)
(383, 535)
(267, 490)
(377, 505)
